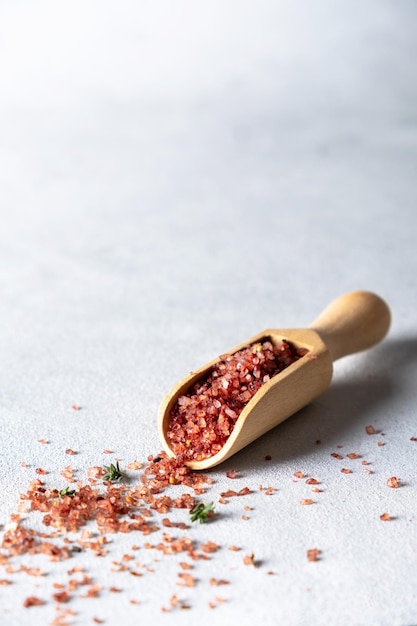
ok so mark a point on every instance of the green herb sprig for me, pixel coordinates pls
(66, 492)
(113, 473)
(201, 512)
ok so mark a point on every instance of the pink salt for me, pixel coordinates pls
(202, 420)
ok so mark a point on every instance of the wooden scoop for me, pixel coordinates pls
(349, 324)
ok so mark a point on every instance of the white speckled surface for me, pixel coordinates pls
(175, 177)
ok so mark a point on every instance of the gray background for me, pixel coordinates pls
(174, 178)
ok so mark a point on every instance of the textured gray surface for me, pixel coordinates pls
(174, 178)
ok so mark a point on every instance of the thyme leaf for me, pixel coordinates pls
(66, 492)
(113, 472)
(201, 512)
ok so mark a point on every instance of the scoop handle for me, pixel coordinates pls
(353, 322)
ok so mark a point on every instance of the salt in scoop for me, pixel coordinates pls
(351, 323)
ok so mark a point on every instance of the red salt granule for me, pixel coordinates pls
(32, 601)
(219, 581)
(186, 580)
(68, 474)
(370, 430)
(202, 420)
(175, 603)
(393, 482)
(249, 559)
(169, 524)
(92, 592)
(62, 618)
(209, 547)
(307, 501)
(313, 554)
(61, 596)
(31, 571)
(385, 517)
(228, 494)
(96, 472)
(215, 603)
(135, 465)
